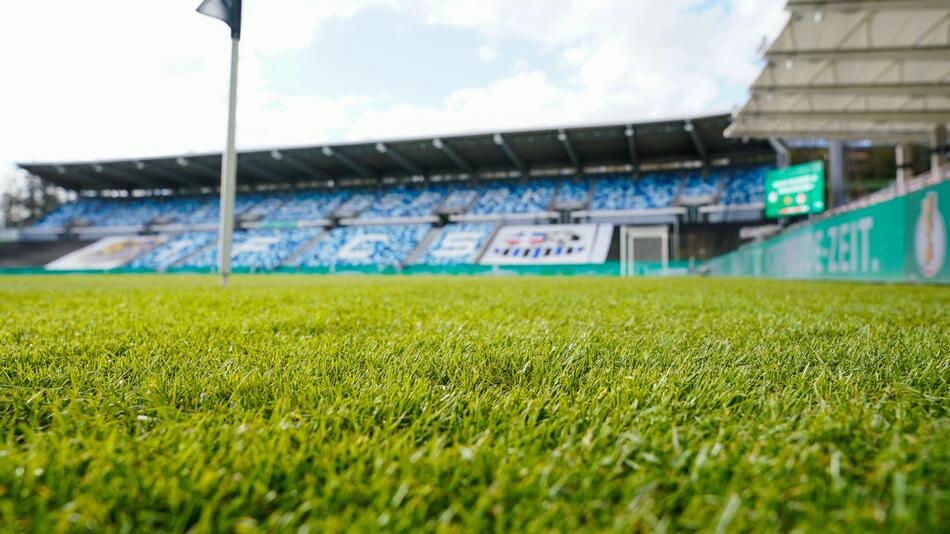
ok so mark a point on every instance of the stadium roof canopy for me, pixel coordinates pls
(525, 152)
(854, 69)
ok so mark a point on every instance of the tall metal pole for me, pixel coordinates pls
(228, 176)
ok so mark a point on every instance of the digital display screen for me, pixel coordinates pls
(796, 190)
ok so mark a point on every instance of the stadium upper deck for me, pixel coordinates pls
(484, 201)
(580, 150)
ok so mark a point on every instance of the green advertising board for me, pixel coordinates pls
(901, 240)
(796, 190)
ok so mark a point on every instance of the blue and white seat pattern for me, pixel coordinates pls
(364, 245)
(501, 198)
(307, 205)
(698, 184)
(573, 193)
(610, 193)
(744, 186)
(457, 244)
(256, 250)
(404, 202)
(173, 250)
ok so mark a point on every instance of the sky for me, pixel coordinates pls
(104, 79)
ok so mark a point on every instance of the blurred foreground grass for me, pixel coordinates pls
(385, 403)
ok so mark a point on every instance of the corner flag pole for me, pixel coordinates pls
(228, 11)
(228, 175)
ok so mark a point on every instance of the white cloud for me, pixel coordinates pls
(487, 52)
(117, 78)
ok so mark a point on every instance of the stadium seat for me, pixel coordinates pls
(459, 200)
(612, 193)
(364, 245)
(257, 250)
(656, 190)
(356, 203)
(173, 250)
(621, 192)
(405, 202)
(698, 184)
(108, 212)
(501, 198)
(573, 194)
(307, 205)
(744, 186)
(457, 244)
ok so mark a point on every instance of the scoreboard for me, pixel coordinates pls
(796, 190)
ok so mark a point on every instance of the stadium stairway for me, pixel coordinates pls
(184, 259)
(422, 247)
(293, 258)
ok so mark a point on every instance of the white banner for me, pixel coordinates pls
(107, 253)
(549, 244)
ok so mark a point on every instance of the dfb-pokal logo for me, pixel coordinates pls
(930, 237)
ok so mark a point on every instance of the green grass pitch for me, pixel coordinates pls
(294, 404)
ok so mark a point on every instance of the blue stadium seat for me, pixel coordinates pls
(457, 244)
(173, 250)
(139, 211)
(358, 201)
(82, 209)
(529, 197)
(405, 202)
(573, 193)
(656, 190)
(612, 193)
(307, 205)
(460, 199)
(257, 250)
(696, 184)
(364, 245)
(651, 191)
(744, 186)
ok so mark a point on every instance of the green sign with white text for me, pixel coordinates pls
(796, 190)
(901, 240)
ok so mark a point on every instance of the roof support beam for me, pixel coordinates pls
(925, 116)
(889, 89)
(257, 169)
(453, 155)
(71, 175)
(510, 152)
(360, 170)
(206, 170)
(858, 5)
(764, 132)
(569, 149)
(134, 181)
(631, 134)
(399, 159)
(166, 174)
(108, 179)
(781, 152)
(295, 163)
(697, 142)
(920, 53)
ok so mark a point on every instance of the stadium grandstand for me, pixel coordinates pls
(424, 203)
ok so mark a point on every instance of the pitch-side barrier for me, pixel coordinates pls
(901, 238)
